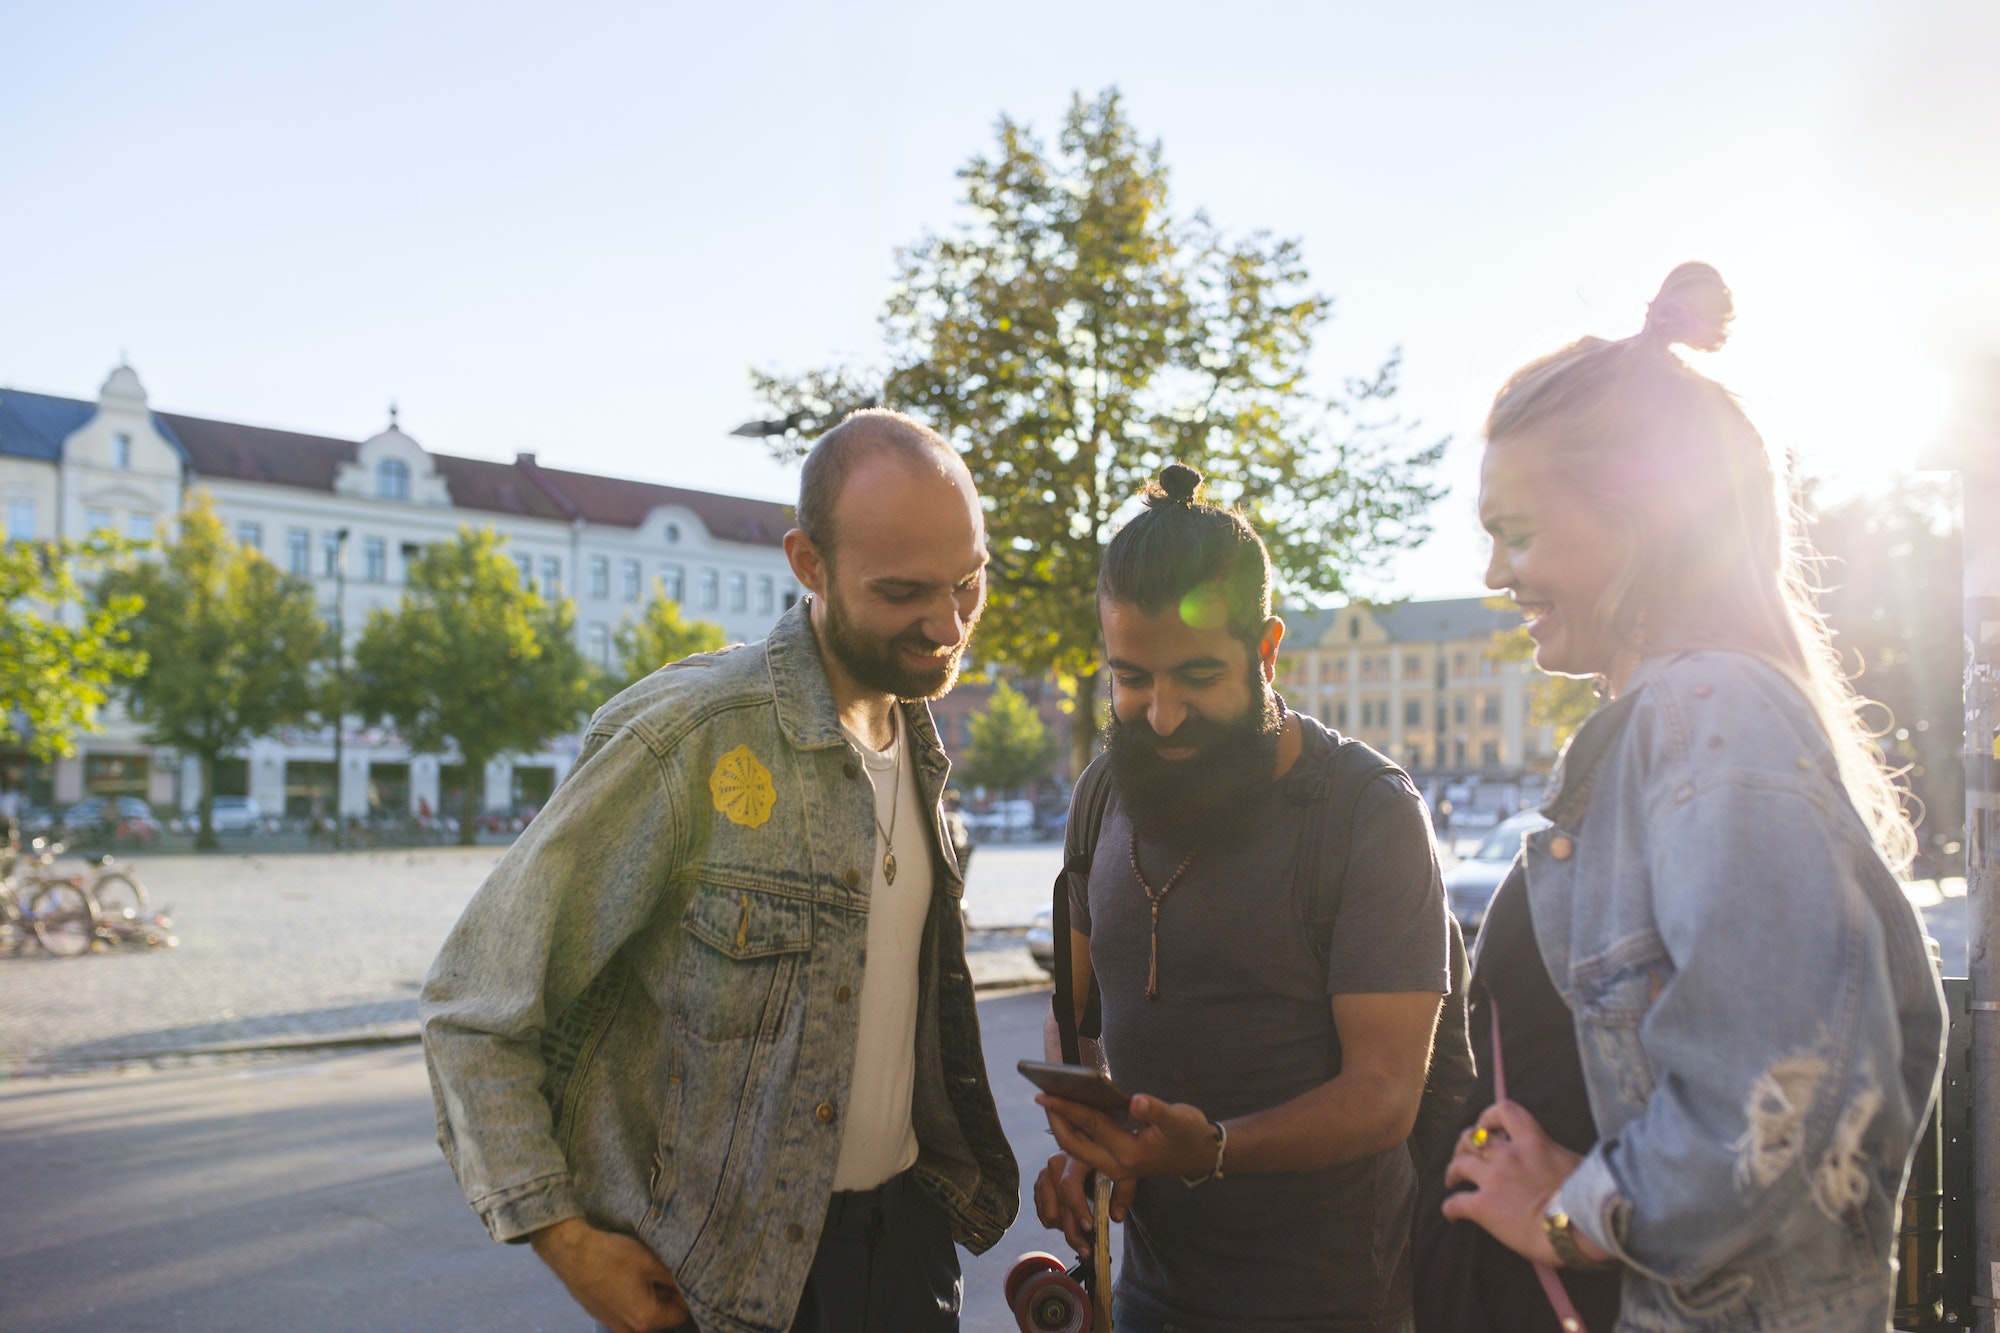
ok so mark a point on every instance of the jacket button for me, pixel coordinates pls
(824, 1113)
(852, 879)
(1561, 848)
(794, 1232)
(842, 994)
(849, 769)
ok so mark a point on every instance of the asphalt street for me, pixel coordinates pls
(308, 1193)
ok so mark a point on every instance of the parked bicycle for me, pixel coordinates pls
(58, 915)
(70, 912)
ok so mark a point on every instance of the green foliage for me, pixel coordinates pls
(1010, 745)
(231, 644)
(1893, 599)
(658, 636)
(1561, 702)
(471, 657)
(1076, 337)
(56, 676)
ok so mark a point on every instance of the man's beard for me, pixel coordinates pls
(872, 661)
(1212, 794)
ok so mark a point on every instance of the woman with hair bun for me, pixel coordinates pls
(1707, 1025)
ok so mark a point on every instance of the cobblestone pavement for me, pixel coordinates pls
(275, 952)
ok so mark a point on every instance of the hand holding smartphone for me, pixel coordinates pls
(1080, 1084)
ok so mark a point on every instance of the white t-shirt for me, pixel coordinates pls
(878, 1140)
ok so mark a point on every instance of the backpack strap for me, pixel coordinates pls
(1087, 803)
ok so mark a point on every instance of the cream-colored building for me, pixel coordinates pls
(69, 467)
(1418, 681)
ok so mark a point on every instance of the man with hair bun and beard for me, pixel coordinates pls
(1277, 1058)
(706, 1038)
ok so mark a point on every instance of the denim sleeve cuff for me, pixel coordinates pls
(512, 1215)
(1590, 1196)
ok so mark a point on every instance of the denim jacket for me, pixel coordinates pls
(1760, 1026)
(646, 1016)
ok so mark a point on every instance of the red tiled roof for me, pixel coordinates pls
(523, 487)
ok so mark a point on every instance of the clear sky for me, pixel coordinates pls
(571, 229)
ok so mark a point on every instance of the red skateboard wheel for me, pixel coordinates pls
(1027, 1266)
(1052, 1303)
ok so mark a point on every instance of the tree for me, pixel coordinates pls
(471, 657)
(60, 659)
(1892, 597)
(1076, 337)
(658, 636)
(232, 645)
(1010, 746)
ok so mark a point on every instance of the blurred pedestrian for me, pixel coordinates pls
(706, 1038)
(1272, 1006)
(1704, 993)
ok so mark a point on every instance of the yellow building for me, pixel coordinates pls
(1417, 681)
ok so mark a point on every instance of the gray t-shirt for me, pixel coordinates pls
(1243, 1023)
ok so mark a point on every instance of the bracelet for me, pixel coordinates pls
(1221, 1147)
(1556, 1225)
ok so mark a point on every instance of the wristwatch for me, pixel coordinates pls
(1556, 1225)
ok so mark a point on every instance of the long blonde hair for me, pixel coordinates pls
(1720, 558)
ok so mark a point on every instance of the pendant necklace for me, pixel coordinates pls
(889, 833)
(1155, 897)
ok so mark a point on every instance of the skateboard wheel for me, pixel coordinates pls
(1052, 1303)
(1027, 1266)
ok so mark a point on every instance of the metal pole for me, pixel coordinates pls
(340, 681)
(1978, 461)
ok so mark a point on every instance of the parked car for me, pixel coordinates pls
(235, 814)
(1042, 941)
(1470, 885)
(110, 819)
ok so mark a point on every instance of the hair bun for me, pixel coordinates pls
(1178, 483)
(1693, 309)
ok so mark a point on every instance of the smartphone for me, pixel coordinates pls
(1078, 1083)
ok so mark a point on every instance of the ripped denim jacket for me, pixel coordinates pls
(645, 1016)
(1760, 1027)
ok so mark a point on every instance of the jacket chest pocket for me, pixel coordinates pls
(1612, 994)
(742, 953)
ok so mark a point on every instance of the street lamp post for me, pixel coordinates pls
(339, 681)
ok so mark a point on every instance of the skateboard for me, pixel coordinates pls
(1048, 1296)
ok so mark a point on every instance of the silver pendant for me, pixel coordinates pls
(889, 867)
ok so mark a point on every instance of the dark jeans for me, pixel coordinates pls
(885, 1264)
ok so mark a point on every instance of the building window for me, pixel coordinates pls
(764, 593)
(329, 550)
(298, 552)
(1458, 710)
(375, 560)
(630, 578)
(711, 588)
(600, 576)
(1340, 714)
(1413, 667)
(121, 452)
(1413, 712)
(1489, 709)
(551, 576)
(527, 564)
(1458, 753)
(139, 527)
(791, 598)
(21, 520)
(1489, 753)
(97, 520)
(739, 592)
(600, 645)
(1458, 664)
(1354, 627)
(1367, 712)
(673, 583)
(1413, 756)
(412, 552)
(392, 479)
(250, 535)
(673, 533)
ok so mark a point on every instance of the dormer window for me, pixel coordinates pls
(673, 533)
(121, 452)
(392, 479)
